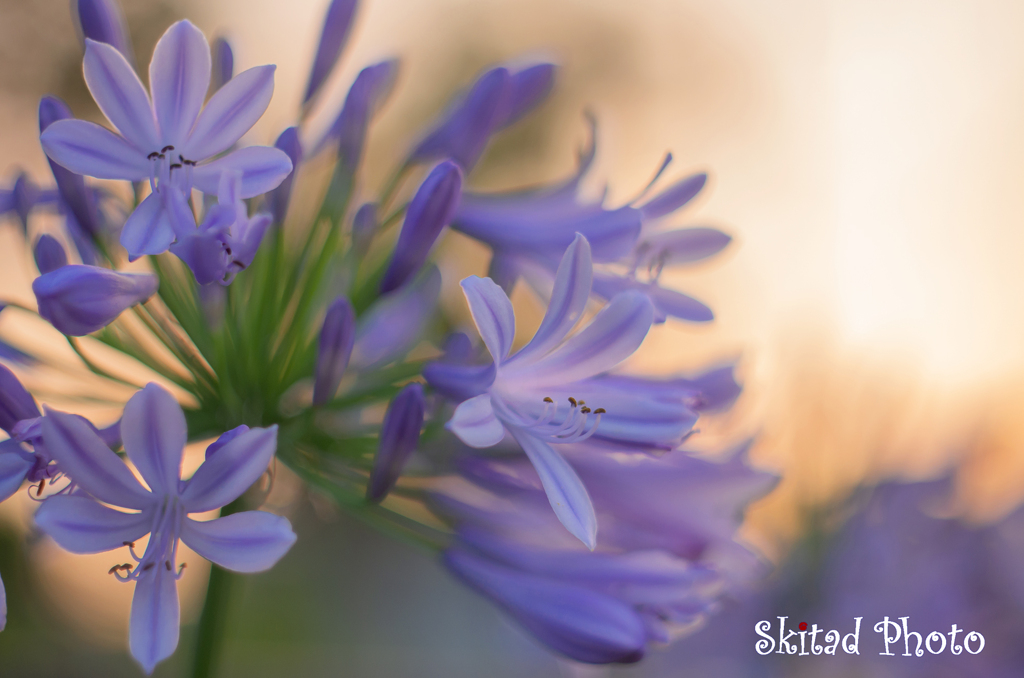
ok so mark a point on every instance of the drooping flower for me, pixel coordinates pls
(430, 211)
(517, 390)
(227, 240)
(659, 566)
(168, 139)
(79, 299)
(154, 435)
(399, 434)
(529, 229)
(497, 99)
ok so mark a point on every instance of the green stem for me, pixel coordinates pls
(213, 621)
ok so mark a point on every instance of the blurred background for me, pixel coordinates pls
(866, 157)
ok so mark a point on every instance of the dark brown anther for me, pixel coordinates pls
(161, 156)
(582, 403)
(175, 166)
(42, 484)
(548, 400)
(188, 162)
(572, 401)
(585, 410)
(114, 569)
(130, 544)
(166, 148)
(147, 567)
(600, 410)
(153, 155)
(167, 564)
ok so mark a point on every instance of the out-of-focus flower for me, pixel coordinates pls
(167, 140)
(497, 99)
(79, 299)
(431, 210)
(393, 325)
(49, 254)
(528, 230)
(665, 553)
(399, 434)
(102, 21)
(337, 337)
(154, 435)
(223, 63)
(519, 400)
(278, 199)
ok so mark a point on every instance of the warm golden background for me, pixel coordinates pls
(866, 155)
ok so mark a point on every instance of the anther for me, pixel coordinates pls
(167, 564)
(583, 402)
(42, 484)
(191, 163)
(153, 155)
(129, 544)
(161, 156)
(147, 567)
(572, 401)
(600, 410)
(166, 148)
(175, 166)
(548, 400)
(585, 410)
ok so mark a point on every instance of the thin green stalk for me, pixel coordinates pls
(214, 618)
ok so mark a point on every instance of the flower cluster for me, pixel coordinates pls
(563, 481)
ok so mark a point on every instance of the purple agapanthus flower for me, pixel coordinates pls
(22, 197)
(171, 139)
(79, 299)
(154, 435)
(529, 229)
(518, 392)
(227, 240)
(666, 551)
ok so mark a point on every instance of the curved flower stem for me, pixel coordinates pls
(213, 621)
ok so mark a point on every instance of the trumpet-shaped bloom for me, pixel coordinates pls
(154, 435)
(520, 398)
(666, 552)
(169, 138)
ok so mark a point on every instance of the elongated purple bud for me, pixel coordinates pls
(431, 209)
(73, 191)
(674, 197)
(223, 63)
(337, 26)
(25, 193)
(49, 254)
(279, 198)
(365, 97)
(16, 403)
(529, 87)
(79, 299)
(399, 435)
(336, 340)
(465, 130)
(364, 224)
(102, 21)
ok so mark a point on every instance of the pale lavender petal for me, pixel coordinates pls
(79, 299)
(251, 541)
(563, 487)
(337, 25)
(681, 246)
(263, 168)
(82, 455)
(569, 297)
(14, 466)
(149, 229)
(586, 625)
(614, 334)
(80, 524)
(204, 254)
(154, 434)
(227, 474)
(230, 113)
(674, 197)
(155, 618)
(667, 302)
(80, 200)
(120, 95)
(529, 87)
(87, 148)
(224, 439)
(475, 423)
(179, 76)
(493, 315)
(16, 403)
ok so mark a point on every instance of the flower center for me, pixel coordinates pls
(553, 426)
(162, 550)
(168, 167)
